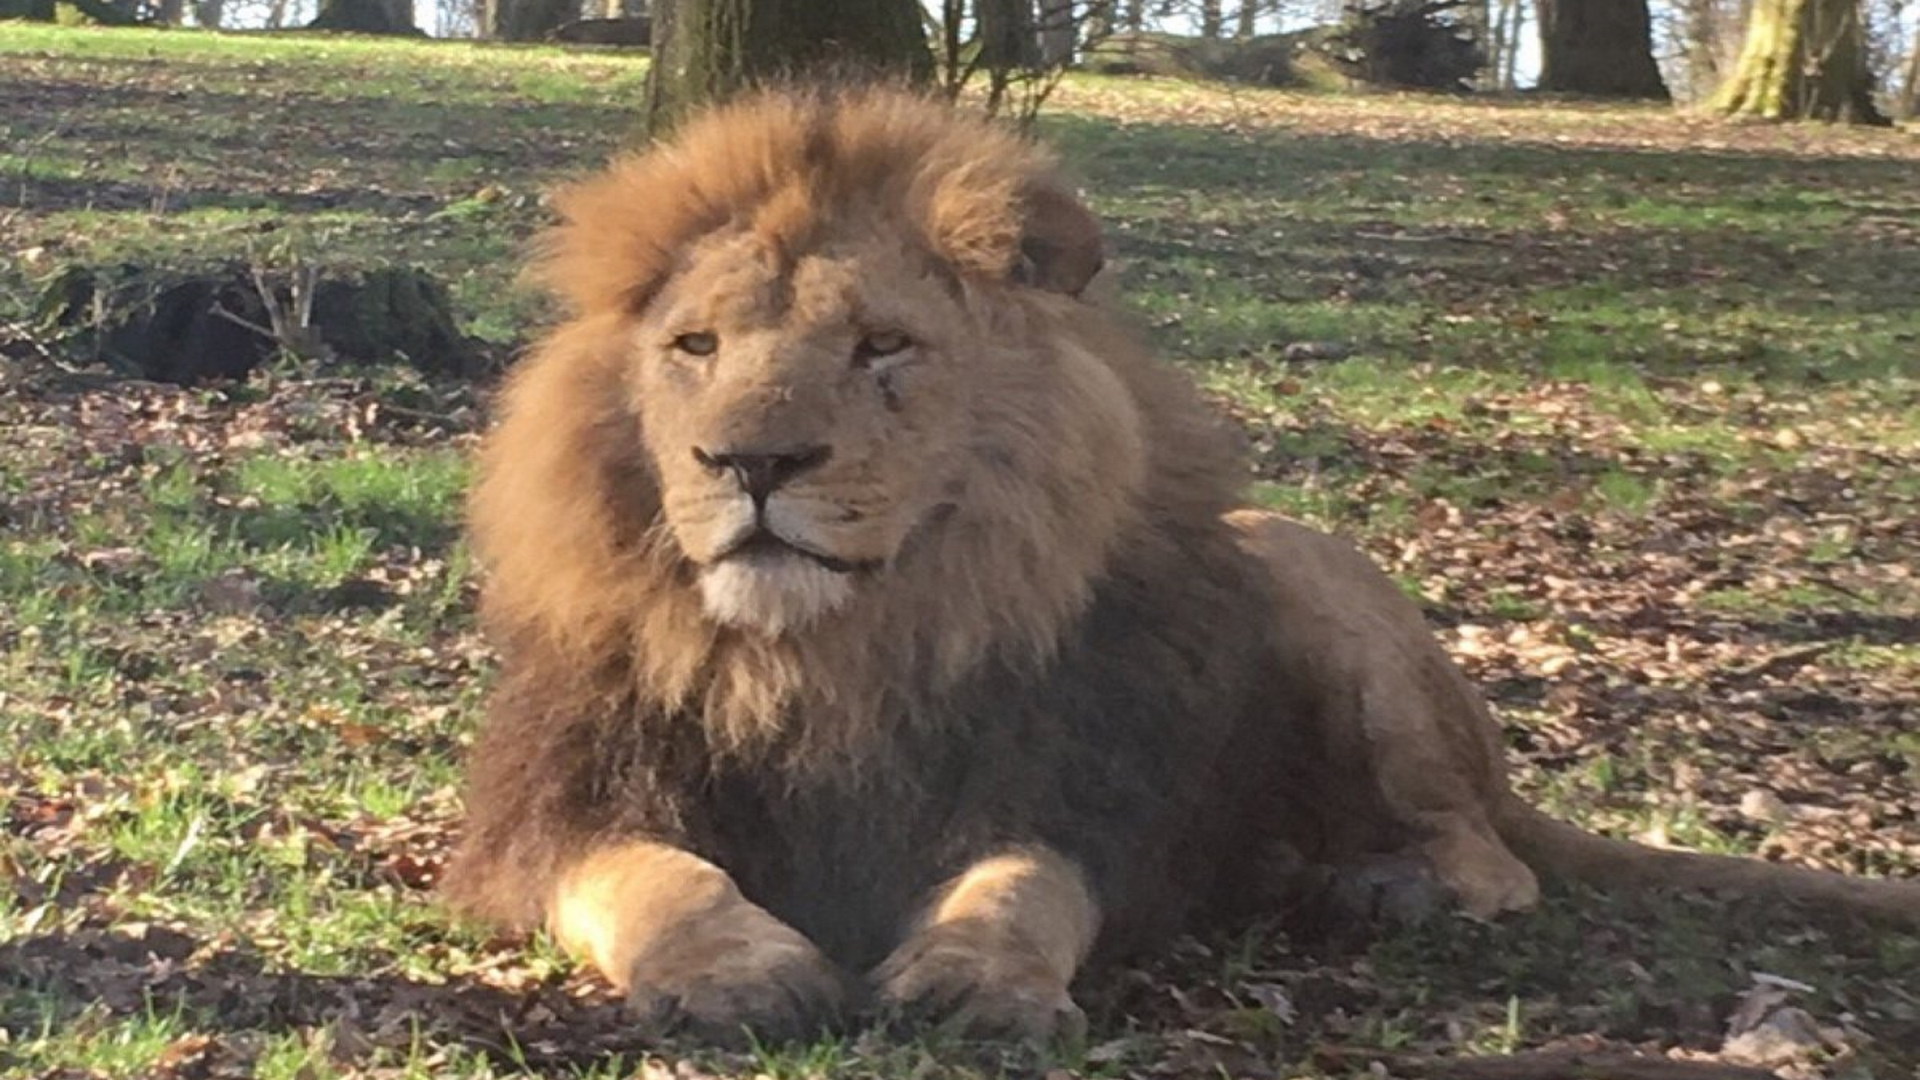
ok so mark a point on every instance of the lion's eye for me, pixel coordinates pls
(698, 343)
(879, 344)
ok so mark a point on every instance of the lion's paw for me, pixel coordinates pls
(745, 978)
(969, 983)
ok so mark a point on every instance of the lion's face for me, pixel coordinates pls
(829, 409)
(805, 416)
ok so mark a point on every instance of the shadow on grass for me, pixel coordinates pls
(223, 989)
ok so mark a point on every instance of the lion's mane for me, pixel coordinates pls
(1072, 653)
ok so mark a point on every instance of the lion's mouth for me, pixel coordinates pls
(765, 543)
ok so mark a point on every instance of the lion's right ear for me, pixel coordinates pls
(1061, 248)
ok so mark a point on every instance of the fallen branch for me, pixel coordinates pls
(1780, 658)
(1552, 1065)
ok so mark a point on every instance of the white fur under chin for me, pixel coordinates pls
(771, 592)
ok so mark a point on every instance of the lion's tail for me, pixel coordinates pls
(1557, 849)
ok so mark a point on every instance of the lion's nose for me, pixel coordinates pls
(762, 472)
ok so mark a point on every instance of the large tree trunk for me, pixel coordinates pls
(1599, 47)
(1803, 60)
(706, 50)
(365, 16)
(1211, 20)
(1058, 30)
(526, 20)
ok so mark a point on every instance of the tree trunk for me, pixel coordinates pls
(1247, 22)
(1211, 19)
(365, 16)
(1135, 17)
(527, 20)
(1057, 32)
(707, 50)
(1910, 96)
(1803, 60)
(1599, 47)
(1701, 41)
(208, 13)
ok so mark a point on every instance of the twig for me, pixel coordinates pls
(242, 321)
(1409, 238)
(1780, 658)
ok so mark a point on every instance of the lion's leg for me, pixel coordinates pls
(673, 932)
(996, 948)
(1396, 717)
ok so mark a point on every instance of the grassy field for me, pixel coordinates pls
(1629, 399)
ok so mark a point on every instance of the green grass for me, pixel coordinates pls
(1629, 401)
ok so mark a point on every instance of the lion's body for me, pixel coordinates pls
(867, 600)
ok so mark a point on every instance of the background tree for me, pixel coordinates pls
(35, 10)
(1599, 47)
(1503, 44)
(705, 50)
(1910, 93)
(1803, 60)
(365, 16)
(524, 20)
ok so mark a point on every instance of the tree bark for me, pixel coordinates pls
(708, 50)
(365, 17)
(1058, 30)
(1247, 19)
(1599, 47)
(526, 20)
(1803, 60)
(1135, 16)
(1211, 19)
(1910, 96)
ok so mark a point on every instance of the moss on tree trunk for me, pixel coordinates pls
(1802, 60)
(1599, 47)
(707, 50)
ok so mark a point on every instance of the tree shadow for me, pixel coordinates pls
(226, 989)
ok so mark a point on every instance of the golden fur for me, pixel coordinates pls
(870, 603)
(922, 239)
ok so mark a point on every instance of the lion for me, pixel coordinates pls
(880, 628)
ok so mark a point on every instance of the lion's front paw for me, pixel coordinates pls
(979, 983)
(743, 972)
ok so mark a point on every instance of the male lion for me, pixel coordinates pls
(872, 605)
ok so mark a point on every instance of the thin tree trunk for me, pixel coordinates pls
(1803, 60)
(1910, 96)
(707, 50)
(1702, 45)
(1599, 47)
(1211, 20)
(1057, 32)
(1247, 22)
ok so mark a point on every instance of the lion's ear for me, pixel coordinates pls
(1060, 244)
